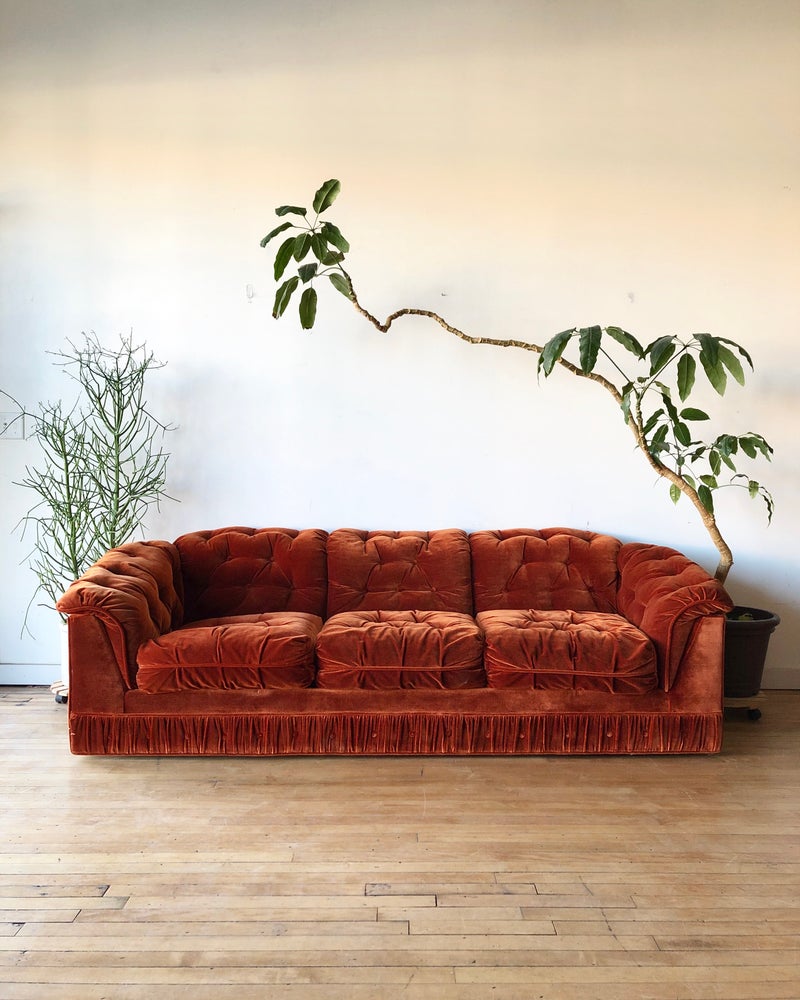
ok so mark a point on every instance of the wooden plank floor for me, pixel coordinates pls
(423, 878)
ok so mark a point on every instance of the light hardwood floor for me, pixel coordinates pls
(423, 878)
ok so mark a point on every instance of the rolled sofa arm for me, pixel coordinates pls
(664, 593)
(136, 592)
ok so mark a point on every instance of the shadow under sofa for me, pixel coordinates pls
(244, 641)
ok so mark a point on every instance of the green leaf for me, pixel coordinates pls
(690, 413)
(290, 210)
(302, 245)
(319, 246)
(660, 352)
(683, 434)
(652, 421)
(341, 284)
(687, 367)
(732, 363)
(709, 359)
(283, 256)
(715, 462)
(710, 481)
(326, 195)
(727, 444)
(275, 231)
(332, 258)
(748, 447)
(753, 488)
(628, 341)
(739, 348)
(553, 350)
(674, 492)
(590, 337)
(671, 410)
(308, 308)
(334, 236)
(709, 346)
(627, 393)
(283, 295)
(307, 271)
(705, 498)
(658, 439)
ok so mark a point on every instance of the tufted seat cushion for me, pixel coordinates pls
(383, 650)
(577, 650)
(270, 650)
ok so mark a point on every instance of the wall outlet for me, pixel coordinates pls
(12, 425)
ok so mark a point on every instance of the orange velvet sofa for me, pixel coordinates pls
(249, 641)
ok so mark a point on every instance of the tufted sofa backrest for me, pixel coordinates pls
(399, 571)
(556, 569)
(240, 571)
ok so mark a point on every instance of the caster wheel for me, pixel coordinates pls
(754, 714)
(61, 699)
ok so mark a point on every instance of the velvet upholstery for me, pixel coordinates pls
(665, 594)
(558, 569)
(148, 600)
(137, 590)
(388, 650)
(578, 650)
(271, 650)
(399, 571)
(242, 571)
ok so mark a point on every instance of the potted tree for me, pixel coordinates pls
(651, 384)
(102, 466)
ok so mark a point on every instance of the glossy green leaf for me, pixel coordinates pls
(709, 359)
(710, 481)
(687, 367)
(690, 413)
(715, 462)
(308, 308)
(705, 498)
(683, 434)
(709, 346)
(660, 352)
(670, 406)
(278, 229)
(652, 421)
(739, 348)
(302, 244)
(283, 256)
(307, 272)
(628, 341)
(748, 447)
(290, 210)
(334, 236)
(590, 337)
(341, 284)
(326, 195)
(753, 488)
(332, 257)
(731, 362)
(674, 492)
(553, 350)
(283, 295)
(319, 246)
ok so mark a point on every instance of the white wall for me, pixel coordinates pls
(519, 166)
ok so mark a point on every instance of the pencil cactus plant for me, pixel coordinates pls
(102, 462)
(650, 383)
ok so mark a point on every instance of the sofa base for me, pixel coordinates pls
(395, 733)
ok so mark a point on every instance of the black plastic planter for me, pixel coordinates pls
(747, 633)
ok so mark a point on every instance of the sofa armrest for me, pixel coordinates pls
(664, 594)
(136, 591)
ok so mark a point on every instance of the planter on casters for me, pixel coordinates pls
(747, 633)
